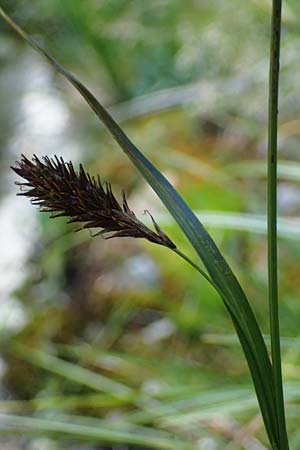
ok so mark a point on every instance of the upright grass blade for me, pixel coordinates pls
(272, 221)
(221, 274)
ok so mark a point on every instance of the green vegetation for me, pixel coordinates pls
(99, 348)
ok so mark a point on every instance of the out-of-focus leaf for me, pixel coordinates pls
(90, 430)
(288, 228)
(286, 170)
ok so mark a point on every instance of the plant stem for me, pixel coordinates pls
(272, 221)
(201, 271)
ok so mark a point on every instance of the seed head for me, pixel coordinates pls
(56, 187)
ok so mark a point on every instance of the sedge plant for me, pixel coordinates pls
(55, 186)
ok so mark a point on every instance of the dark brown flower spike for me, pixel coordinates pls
(56, 187)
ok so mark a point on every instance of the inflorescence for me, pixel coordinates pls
(56, 187)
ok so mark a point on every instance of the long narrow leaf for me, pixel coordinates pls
(230, 290)
(75, 373)
(92, 431)
(288, 228)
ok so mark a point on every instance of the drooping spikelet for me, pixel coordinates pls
(56, 187)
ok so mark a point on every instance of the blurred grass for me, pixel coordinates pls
(190, 88)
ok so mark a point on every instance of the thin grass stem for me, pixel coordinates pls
(198, 268)
(272, 221)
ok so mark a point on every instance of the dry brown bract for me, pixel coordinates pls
(56, 187)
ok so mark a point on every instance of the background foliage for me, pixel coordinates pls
(123, 331)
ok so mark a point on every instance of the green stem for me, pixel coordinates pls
(272, 222)
(201, 271)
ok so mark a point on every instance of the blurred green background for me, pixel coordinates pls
(121, 336)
